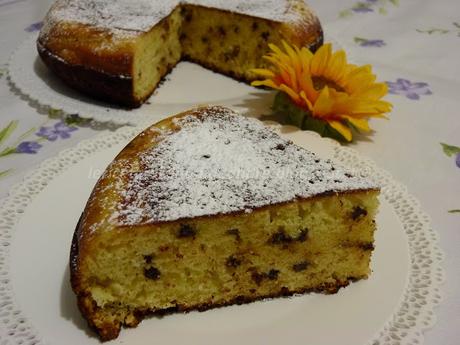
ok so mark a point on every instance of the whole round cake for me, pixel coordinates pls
(119, 50)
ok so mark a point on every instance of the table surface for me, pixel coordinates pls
(413, 44)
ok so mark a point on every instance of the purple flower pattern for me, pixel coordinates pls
(359, 8)
(34, 27)
(59, 130)
(457, 160)
(368, 6)
(30, 147)
(364, 42)
(409, 89)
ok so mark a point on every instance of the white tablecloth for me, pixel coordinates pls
(412, 44)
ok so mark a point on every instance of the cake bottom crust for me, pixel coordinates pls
(109, 331)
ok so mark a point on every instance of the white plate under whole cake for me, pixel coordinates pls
(38, 306)
(188, 85)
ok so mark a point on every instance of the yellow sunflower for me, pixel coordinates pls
(326, 86)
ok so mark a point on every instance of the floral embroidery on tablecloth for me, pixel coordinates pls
(34, 27)
(412, 90)
(62, 129)
(452, 151)
(59, 130)
(441, 31)
(368, 6)
(364, 42)
(3, 71)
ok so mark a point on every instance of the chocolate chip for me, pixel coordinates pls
(273, 274)
(255, 26)
(265, 35)
(358, 212)
(186, 230)
(234, 232)
(301, 266)
(257, 277)
(152, 273)
(280, 147)
(204, 39)
(206, 156)
(366, 246)
(280, 237)
(221, 31)
(148, 259)
(232, 262)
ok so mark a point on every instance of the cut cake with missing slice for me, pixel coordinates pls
(209, 208)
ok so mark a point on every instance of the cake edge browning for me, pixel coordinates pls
(116, 89)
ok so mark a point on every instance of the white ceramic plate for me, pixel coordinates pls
(40, 277)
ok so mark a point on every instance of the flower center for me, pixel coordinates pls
(319, 83)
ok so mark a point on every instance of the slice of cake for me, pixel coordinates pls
(209, 208)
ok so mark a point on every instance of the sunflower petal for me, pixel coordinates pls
(336, 66)
(263, 72)
(342, 129)
(267, 82)
(304, 97)
(320, 59)
(375, 92)
(291, 93)
(360, 124)
(323, 104)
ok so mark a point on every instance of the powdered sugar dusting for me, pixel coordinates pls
(220, 163)
(129, 17)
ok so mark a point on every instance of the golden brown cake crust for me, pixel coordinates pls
(100, 65)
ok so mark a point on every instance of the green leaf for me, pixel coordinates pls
(345, 13)
(359, 40)
(395, 2)
(7, 151)
(293, 114)
(457, 25)
(5, 172)
(450, 150)
(74, 119)
(26, 134)
(54, 113)
(454, 211)
(6, 132)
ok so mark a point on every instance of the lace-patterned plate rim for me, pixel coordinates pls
(31, 79)
(406, 326)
